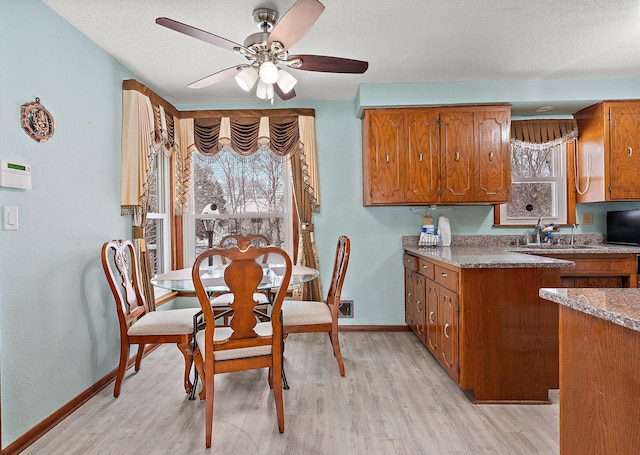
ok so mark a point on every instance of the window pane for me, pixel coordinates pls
(531, 200)
(236, 194)
(153, 204)
(531, 162)
(153, 238)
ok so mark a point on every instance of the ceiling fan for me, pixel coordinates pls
(268, 49)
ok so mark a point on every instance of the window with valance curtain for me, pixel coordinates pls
(287, 133)
(538, 171)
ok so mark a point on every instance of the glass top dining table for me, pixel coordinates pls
(213, 280)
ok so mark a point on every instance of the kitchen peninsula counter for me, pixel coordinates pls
(599, 365)
(477, 310)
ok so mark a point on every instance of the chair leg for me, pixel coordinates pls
(139, 356)
(198, 362)
(335, 343)
(208, 383)
(276, 371)
(185, 348)
(122, 367)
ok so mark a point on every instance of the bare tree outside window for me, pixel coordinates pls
(248, 192)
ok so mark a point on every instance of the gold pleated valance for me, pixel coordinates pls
(543, 131)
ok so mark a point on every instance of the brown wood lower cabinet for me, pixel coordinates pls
(598, 270)
(487, 327)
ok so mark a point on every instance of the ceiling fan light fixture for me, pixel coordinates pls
(264, 91)
(247, 78)
(286, 81)
(268, 73)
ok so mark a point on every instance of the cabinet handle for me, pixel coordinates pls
(490, 155)
(425, 266)
(457, 157)
(409, 297)
(387, 156)
(630, 151)
(419, 157)
(432, 320)
(419, 306)
(444, 275)
(446, 326)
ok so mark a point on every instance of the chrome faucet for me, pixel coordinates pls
(573, 226)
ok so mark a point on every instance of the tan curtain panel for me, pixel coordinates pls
(307, 126)
(138, 141)
(305, 190)
(137, 138)
(543, 131)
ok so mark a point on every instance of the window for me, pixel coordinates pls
(157, 231)
(235, 194)
(539, 184)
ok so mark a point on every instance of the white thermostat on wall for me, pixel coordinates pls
(15, 175)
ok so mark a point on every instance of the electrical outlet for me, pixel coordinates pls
(346, 309)
(586, 218)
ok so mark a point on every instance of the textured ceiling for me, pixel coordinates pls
(403, 41)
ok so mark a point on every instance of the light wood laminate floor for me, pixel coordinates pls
(395, 399)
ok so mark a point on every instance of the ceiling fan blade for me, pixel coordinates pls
(328, 64)
(296, 22)
(197, 33)
(216, 77)
(284, 96)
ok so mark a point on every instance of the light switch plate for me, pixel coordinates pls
(10, 218)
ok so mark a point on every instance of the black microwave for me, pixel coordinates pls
(623, 227)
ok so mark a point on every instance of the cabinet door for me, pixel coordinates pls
(448, 315)
(624, 151)
(432, 332)
(409, 283)
(456, 150)
(419, 306)
(422, 171)
(492, 130)
(384, 176)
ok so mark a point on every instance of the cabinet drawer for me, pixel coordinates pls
(447, 278)
(410, 262)
(426, 268)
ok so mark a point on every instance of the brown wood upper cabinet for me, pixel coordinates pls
(609, 151)
(437, 155)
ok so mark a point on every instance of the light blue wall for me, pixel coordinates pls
(58, 330)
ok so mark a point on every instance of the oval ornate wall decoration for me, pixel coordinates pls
(37, 121)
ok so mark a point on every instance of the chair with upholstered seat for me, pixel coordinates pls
(247, 343)
(307, 316)
(138, 325)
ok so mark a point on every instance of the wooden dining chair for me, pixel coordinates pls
(138, 325)
(308, 316)
(221, 302)
(247, 343)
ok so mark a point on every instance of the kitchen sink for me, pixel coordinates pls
(546, 246)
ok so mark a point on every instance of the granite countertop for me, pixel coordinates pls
(485, 257)
(505, 251)
(619, 306)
